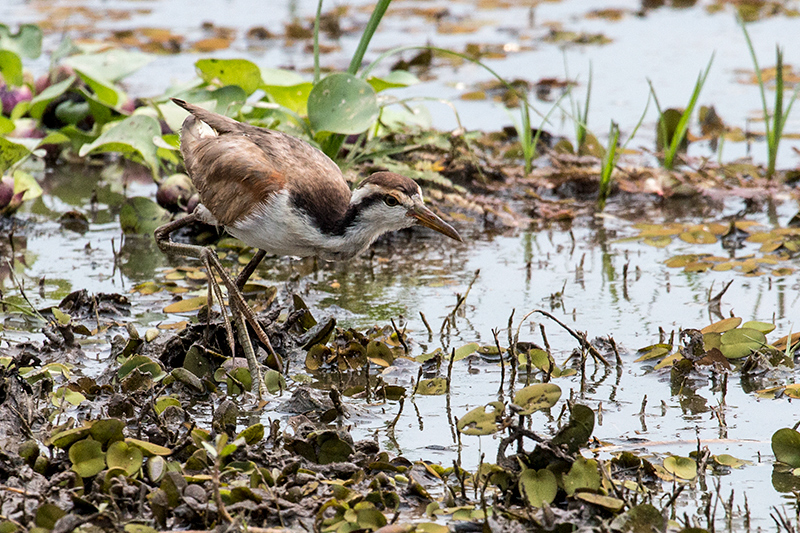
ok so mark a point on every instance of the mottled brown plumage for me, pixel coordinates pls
(245, 165)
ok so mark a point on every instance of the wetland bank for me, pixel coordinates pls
(647, 370)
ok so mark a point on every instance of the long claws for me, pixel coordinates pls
(242, 313)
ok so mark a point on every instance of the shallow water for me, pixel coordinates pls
(574, 272)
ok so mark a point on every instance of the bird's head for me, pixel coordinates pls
(389, 202)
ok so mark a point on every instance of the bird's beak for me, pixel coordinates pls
(426, 218)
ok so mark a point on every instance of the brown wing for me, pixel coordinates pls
(239, 167)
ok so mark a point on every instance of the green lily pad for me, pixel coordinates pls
(107, 430)
(584, 474)
(432, 387)
(87, 457)
(149, 448)
(126, 456)
(741, 342)
(481, 420)
(112, 65)
(682, 467)
(536, 397)
(342, 103)
(131, 136)
(723, 325)
(465, 351)
(539, 487)
(239, 72)
(763, 327)
(786, 446)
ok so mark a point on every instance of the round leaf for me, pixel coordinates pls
(134, 135)
(538, 487)
(786, 446)
(342, 103)
(87, 457)
(481, 421)
(741, 342)
(239, 72)
(536, 397)
(682, 467)
(125, 456)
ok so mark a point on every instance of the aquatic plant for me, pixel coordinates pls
(673, 124)
(780, 109)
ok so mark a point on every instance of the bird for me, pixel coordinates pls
(279, 194)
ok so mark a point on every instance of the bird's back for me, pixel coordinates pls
(239, 170)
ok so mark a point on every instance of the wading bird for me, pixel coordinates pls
(281, 195)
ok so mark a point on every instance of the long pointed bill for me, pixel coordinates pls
(425, 217)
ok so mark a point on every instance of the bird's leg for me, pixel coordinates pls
(249, 268)
(238, 306)
(164, 243)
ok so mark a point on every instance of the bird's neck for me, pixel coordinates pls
(354, 232)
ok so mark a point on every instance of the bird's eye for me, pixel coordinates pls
(391, 201)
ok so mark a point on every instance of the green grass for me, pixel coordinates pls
(774, 130)
(673, 138)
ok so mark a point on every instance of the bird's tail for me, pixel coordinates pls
(220, 123)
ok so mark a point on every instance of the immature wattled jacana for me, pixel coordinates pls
(281, 195)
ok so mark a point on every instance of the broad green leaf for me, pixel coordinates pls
(68, 395)
(786, 446)
(342, 103)
(126, 456)
(40, 101)
(252, 434)
(292, 97)
(281, 77)
(465, 351)
(432, 387)
(149, 448)
(723, 325)
(11, 68)
(107, 430)
(577, 432)
(27, 42)
(583, 474)
(332, 449)
(110, 65)
(240, 72)
(536, 397)
(186, 306)
(47, 514)
(142, 216)
(612, 504)
(682, 467)
(538, 487)
(133, 135)
(741, 342)
(481, 420)
(763, 327)
(274, 381)
(87, 457)
(10, 153)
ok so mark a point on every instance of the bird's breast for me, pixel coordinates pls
(279, 227)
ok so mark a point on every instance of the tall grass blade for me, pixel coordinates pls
(773, 130)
